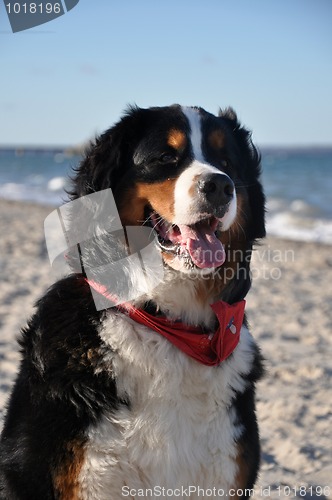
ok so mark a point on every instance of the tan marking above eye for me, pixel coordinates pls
(177, 139)
(217, 139)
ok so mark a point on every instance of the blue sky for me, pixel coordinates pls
(65, 81)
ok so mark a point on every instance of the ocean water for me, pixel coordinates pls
(298, 187)
(39, 175)
(297, 182)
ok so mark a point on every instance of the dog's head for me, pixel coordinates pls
(192, 176)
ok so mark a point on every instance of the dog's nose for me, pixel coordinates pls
(218, 189)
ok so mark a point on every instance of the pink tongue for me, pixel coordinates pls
(203, 246)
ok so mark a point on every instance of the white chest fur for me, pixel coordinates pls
(180, 430)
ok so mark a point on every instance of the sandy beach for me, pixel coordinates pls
(289, 309)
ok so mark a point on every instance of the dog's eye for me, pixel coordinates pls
(224, 163)
(167, 158)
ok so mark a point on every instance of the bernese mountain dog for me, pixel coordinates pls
(154, 396)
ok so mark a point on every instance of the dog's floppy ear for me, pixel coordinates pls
(104, 160)
(251, 162)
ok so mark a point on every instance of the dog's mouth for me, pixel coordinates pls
(197, 243)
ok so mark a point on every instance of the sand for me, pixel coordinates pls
(289, 309)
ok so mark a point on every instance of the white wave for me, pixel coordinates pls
(56, 184)
(304, 209)
(287, 225)
(22, 192)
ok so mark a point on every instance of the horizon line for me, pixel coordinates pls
(64, 147)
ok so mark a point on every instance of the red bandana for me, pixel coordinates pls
(209, 349)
